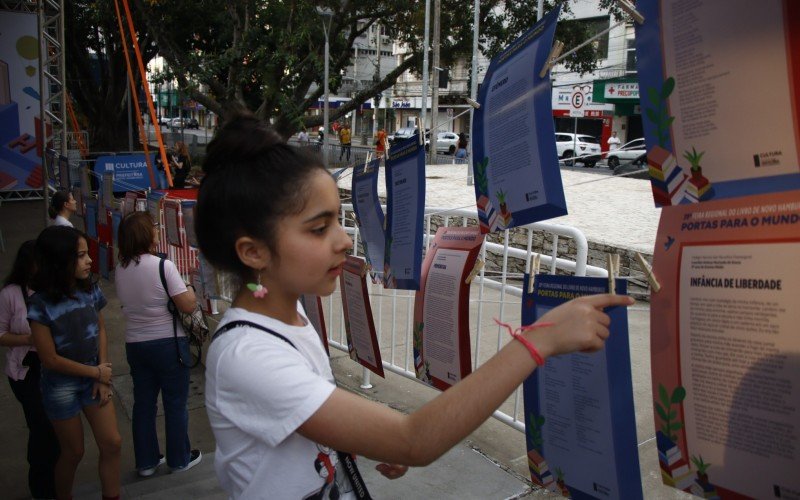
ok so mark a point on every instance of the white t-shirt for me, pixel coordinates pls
(613, 143)
(144, 300)
(61, 221)
(259, 390)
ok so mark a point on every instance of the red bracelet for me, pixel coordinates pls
(517, 334)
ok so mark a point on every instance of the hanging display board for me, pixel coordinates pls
(720, 96)
(188, 210)
(172, 222)
(441, 307)
(516, 172)
(312, 305)
(405, 215)
(154, 199)
(580, 423)
(107, 191)
(367, 207)
(725, 347)
(362, 338)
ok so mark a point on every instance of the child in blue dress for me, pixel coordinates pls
(70, 337)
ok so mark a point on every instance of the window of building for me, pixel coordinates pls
(593, 26)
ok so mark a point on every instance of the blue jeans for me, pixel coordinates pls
(155, 368)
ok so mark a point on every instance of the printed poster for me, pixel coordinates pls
(720, 97)
(580, 423)
(516, 172)
(441, 307)
(359, 327)
(725, 347)
(369, 216)
(107, 191)
(312, 305)
(405, 215)
(172, 221)
(20, 125)
(128, 203)
(154, 199)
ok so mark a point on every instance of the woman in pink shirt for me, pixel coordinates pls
(154, 350)
(23, 370)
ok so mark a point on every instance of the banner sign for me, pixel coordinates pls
(725, 347)
(517, 178)
(130, 171)
(712, 132)
(580, 424)
(405, 215)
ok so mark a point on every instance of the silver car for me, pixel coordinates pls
(629, 151)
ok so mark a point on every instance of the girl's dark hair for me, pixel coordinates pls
(253, 178)
(135, 237)
(24, 265)
(56, 259)
(57, 202)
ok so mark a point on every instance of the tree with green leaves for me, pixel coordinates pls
(267, 56)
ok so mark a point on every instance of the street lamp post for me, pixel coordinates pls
(327, 15)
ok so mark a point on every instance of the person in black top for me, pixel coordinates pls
(181, 164)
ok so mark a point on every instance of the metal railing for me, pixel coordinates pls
(496, 292)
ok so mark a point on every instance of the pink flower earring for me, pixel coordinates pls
(259, 290)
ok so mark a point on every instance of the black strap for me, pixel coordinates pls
(346, 460)
(173, 310)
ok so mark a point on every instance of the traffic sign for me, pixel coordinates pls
(577, 100)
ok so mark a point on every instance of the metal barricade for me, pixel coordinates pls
(495, 293)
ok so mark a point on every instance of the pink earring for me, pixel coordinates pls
(259, 290)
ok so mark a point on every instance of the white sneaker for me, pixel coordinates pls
(152, 470)
(194, 458)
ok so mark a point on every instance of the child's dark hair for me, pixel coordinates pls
(135, 237)
(57, 202)
(56, 259)
(24, 265)
(252, 179)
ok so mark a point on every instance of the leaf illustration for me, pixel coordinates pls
(670, 120)
(540, 420)
(678, 395)
(676, 426)
(663, 395)
(653, 95)
(673, 414)
(652, 115)
(661, 412)
(666, 90)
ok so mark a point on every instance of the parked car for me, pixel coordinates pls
(192, 123)
(629, 151)
(636, 168)
(446, 143)
(585, 147)
(164, 120)
(402, 134)
(177, 123)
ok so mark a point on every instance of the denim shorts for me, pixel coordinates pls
(64, 397)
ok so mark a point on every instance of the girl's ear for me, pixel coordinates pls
(253, 253)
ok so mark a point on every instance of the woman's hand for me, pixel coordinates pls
(578, 325)
(103, 392)
(392, 471)
(104, 373)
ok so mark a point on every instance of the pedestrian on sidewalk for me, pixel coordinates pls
(62, 206)
(345, 138)
(23, 369)
(272, 403)
(70, 337)
(302, 137)
(380, 143)
(613, 141)
(181, 164)
(151, 346)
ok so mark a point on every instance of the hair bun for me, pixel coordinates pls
(242, 138)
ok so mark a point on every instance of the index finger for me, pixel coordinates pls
(604, 300)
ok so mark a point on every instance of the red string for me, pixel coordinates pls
(517, 334)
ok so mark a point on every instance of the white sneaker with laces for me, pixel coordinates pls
(151, 470)
(194, 458)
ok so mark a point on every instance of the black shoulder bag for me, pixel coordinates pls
(346, 459)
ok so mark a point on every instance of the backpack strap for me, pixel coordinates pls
(173, 310)
(346, 460)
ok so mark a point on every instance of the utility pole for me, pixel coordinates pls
(377, 79)
(473, 87)
(425, 73)
(437, 7)
(355, 91)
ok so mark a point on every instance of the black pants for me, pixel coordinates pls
(345, 149)
(43, 449)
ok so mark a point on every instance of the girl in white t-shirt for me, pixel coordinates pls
(269, 213)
